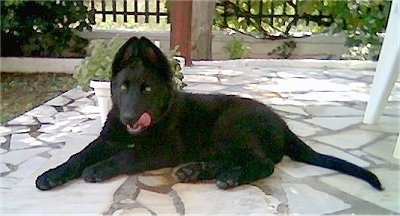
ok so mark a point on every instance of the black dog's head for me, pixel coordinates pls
(141, 84)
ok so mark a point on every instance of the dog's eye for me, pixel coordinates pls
(124, 88)
(145, 88)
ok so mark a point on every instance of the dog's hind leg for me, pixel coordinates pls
(195, 171)
(250, 172)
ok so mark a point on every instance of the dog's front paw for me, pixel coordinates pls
(50, 179)
(96, 173)
(228, 180)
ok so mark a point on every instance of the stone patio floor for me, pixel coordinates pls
(322, 101)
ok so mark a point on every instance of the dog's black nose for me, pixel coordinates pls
(127, 117)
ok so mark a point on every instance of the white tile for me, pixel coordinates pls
(23, 120)
(76, 93)
(153, 181)
(328, 150)
(42, 111)
(207, 199)
(22, 141)
(135, 211)
(8, 182)
(349, 139)
(333, 111)
(302, 129)
(334, 123)
(200, 79)
(290, 109)
(200, 88)
(384, 149)
(302, 199)
(88, 109)
(4, 131)
(163, 205)
(58, 101)
(388, 199)
(301, 170)
(28, 167)
(388, 124)
(53, 137)
(18, 156)
(4, 168)
(2, 140)
(75, 198)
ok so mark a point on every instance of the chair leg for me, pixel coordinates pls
(387, 68)
(396, 152)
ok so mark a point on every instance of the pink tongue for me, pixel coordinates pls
(144, 121)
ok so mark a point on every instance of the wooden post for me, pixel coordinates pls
(181, 21)
(202, 21)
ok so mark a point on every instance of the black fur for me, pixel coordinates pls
(231, 139)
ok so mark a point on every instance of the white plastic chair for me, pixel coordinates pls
(387, 71)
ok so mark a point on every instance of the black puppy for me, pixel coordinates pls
(231, 139)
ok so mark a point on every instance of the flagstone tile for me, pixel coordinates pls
(153, 181)
(53, 137)
(2, 150)
(325, 111)
(58, 101)
(28, 167)
(303, 199)
(332, 96)
(384, 149)
(334, 123)
(46, 120)
(387, 124)
(18, 156)
(86, 110)
(301, 170)
(329, 150)
(206, 199)
(204, 88)
(4, 168)
(350, 139)
(77, 93)
(81, 102)
(234, 81)
(392, 109)
(290, 109)
(2, 139)
(200, 79)
(42, 111)
(22, 141)
(23, 120)
(388, 198)
(77, 198)
(302, 129)
(163, 205)
(8, 182)
(135, 211)
(62, 126)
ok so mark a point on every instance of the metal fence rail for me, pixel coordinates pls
(267, 16)
(129, 8)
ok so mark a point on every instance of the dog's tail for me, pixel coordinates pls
(297, 150)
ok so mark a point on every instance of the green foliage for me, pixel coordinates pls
(236, 48)
(361, 20)
(42, 28)
(97, 66)
(285, 50)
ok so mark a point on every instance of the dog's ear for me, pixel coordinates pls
(153, 57)
(125, 55)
